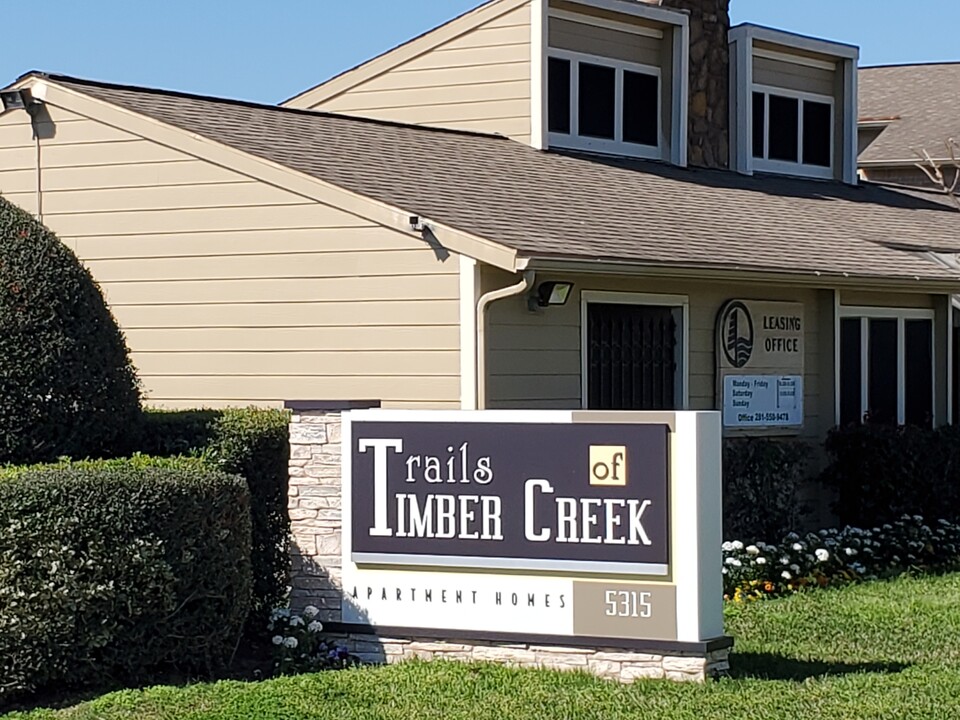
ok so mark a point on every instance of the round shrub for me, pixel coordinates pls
(120, 572)
(67, 387)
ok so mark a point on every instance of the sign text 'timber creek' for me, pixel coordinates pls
(584, 497)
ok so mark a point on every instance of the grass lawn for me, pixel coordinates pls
(881, 650)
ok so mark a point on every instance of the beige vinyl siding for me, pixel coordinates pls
(859, 298)
(534, 359)
(478, 81)
(231, 291)
(793, 76)
(605, 42)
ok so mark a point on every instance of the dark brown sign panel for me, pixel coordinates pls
(575, 497)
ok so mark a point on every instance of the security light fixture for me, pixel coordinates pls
(550, 294)
(17, 99)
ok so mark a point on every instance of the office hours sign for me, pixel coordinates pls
(760, 358)
(546, 523)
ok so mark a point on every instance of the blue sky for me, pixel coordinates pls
(268, 50)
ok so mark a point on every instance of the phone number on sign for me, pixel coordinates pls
(761, 417)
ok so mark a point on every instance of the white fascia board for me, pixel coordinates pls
(800, 42)
(273, 173)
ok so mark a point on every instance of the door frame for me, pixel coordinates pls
(679, 303)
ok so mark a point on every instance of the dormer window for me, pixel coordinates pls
(793, 104)
(793, 132)
(604, 105)
(614, 79)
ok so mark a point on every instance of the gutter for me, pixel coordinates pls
(485, 300)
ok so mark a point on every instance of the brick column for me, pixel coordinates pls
(314, 503)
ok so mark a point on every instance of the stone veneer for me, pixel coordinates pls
(315, 517)
(709, 128)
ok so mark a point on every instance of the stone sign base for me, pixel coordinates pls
(609, 663)
(315, 517)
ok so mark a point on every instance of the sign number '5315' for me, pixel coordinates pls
(628, 604)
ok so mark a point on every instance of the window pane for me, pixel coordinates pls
(816, 134)
(597, 101)
(759, 116)
(641, 108)
(558, 78)
(918, 349)
(632, 355)
(784, 128)
(882, 391)
(851, 375)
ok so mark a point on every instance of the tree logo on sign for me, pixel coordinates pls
(737, 338)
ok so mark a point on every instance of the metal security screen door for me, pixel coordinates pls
(631, 354)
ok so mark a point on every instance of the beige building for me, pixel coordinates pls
(603, 203)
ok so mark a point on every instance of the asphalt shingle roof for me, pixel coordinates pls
(924, 99)
(553, 205)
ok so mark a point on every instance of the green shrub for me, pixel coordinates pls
(66, 383)
(116, 572)
(761, 486)
(253, 443)
(833, 557)
(882, 472)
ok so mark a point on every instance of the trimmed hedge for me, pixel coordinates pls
(67, 387)
(762, 479)
(117, 572)
(883, 472)
(253, 443)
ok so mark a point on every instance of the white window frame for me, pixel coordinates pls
(901, 315)
(616, 146)
(783, 166)
(679, 303)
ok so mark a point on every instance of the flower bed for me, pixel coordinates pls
(837, 557)
(299, 646)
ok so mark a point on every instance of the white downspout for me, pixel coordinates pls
(521, 287)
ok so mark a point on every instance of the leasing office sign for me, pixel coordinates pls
(529, 523)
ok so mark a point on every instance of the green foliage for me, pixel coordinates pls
(299, 645)
(253, 443)
(881, 472)
(112, 571)
(67, 387)
(878, 650)
(835, 557)
(761, 485)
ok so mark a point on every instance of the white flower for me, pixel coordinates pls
(737, 545)
(797, 547)
(785, 575)
(278, 639)
(850, 552)
(784, 560)
(315, 627)
(310, 612)
(727, 546)
(290, 642)
(296, 621)
(753, 550)
(822, 554)
(734, 562)
(761, 561)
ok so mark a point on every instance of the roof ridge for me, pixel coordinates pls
(59, 77)
(924, 63)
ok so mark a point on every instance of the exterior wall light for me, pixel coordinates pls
(551, 293)
(17, 100)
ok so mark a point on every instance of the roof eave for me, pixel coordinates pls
(811, 278)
